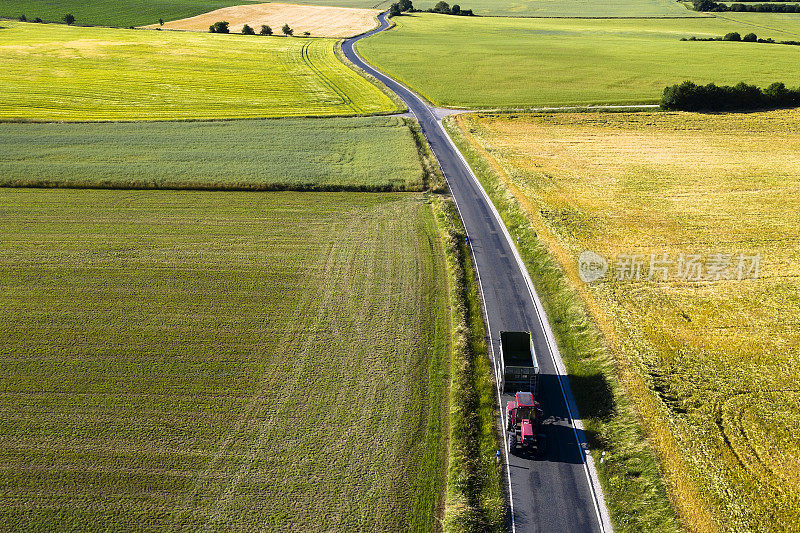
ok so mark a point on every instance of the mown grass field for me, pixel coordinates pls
(510, 63)
(711, 363)
(56, 72)
(120, 13)
(223, 361)
(328, 153)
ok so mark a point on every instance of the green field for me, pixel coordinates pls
(326, 153)
(121, 13)
(221, 360)
(710, 360)
(500, 62)
(141, 12)
(56, 72)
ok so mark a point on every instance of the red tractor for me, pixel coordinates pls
(523, 424)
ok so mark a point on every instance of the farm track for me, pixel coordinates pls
(559, 493)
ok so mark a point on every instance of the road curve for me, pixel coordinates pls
(559, 492)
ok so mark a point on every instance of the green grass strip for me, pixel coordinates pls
(474, 499)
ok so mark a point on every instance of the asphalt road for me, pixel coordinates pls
(557, 492)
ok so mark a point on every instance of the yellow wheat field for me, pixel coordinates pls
(711, 360)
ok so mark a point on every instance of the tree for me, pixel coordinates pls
(265, 30)
(287, 30)
(750, 38)
(394, 10)
(160, 22)
(306, 33)
(247, 30)
(455, 10)
(37, 20)
(219, 27)
(69, 18)
(22, 18)
(405, 5)
(442, 7)
(732, 36)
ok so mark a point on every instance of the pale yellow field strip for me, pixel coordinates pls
(319, 21)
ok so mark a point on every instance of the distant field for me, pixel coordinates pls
(319, 21)
(500, 62)
(121, 13)
(223, 361)
(330, 153)
(711, 363)
(56, 72)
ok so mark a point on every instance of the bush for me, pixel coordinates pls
(69, 18)
(750, 38)
(37, 20)
(306, 33)
(22, 18)
(287, 30)
(688, 96)
(219, 27)
(247, 30)
(265, 30)
(732, 36)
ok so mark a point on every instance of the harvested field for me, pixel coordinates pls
(319, 21)
(707, 347)
(178, 360)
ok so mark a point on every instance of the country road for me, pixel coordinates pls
(558, 492)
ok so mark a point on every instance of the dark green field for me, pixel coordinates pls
(221, 360)
(337, 153)
(120, 13)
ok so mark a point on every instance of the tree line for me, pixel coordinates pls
(442, 7)
(734, 36)
(223, 27)
(710, 5)
(688, 96)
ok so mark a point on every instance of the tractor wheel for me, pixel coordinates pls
(512, 443)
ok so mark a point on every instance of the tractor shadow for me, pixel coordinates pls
(594, 396)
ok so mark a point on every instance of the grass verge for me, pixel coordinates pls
(629, 472)
(474, 499)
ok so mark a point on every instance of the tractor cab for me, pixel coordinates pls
(523, 419)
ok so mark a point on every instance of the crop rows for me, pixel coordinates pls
(174, 359)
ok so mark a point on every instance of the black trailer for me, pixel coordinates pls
(518, 369)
